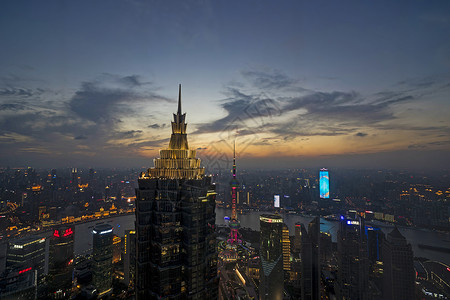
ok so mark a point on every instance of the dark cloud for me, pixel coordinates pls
(129, 133)
(320, 113)
(361, 134)
(200, 148)
(12, 106)
(20, 92)
(132, 80)
(241, 108)
(157, 126)
(80, 137)
(104, 99)
(268, 80)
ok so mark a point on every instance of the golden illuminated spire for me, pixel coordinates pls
(178, 140)
(177, 161)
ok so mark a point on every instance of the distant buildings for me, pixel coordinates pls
(271, 252)
(398, 273)
(102, 254)
(175, 220)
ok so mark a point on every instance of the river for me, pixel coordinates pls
(83, 236)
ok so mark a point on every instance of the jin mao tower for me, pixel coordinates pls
(176, 256)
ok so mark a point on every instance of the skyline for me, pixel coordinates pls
(313, 84)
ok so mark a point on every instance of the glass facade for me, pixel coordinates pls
(61, 260)
(102, 268)
(176, 254)
(271, 252)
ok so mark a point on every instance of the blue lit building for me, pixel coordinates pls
(324, 184)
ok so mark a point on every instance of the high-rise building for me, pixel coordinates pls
(129, 256)
(375, 239)
(175, 220)
(27, 253)
(286, 252)
(310, 256)
(298, 237)
(61, 265)
(117, 249)
(102, 254)
(324, 183)
(271, 284)
(352, 279)
(20, 284)
(398, 267)
(234, 223)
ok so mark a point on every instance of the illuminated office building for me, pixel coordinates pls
(286, 252)
(324, 184)
(129, 256)
(271, 284)
(61, 261)
(117, 249)
(27, 253)
(102, 255)
(298, 237)
(175, 219)
(352, 277)
(398, 267)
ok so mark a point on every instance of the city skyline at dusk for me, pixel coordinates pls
(314, 84)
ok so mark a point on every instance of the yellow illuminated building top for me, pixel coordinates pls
(177, 161)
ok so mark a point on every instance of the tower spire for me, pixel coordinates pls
(179, 99)
(234, 159)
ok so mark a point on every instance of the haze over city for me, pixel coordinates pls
(336, 84)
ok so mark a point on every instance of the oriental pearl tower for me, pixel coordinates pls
(234, 223)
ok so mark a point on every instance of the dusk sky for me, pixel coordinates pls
(299, 83)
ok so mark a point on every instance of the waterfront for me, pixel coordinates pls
(415, 236)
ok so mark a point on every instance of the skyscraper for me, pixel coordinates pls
(234, 223)
(102, 253)
(398, 273)
(324, 183)
(310, 281)
(286, 252)
(27, 253)
(129, 257)
(352, 279)
(61, 261)
(271, 284)
(175, 219)
(298, 237)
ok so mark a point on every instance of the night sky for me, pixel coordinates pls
(298, 83)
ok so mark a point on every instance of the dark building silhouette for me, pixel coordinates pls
(60, 265)
(375, 238)
(310, 256)
(398, 273)
(352, 277)
(102, 254)
(19, 284)
(271, 283)
(175, 220)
